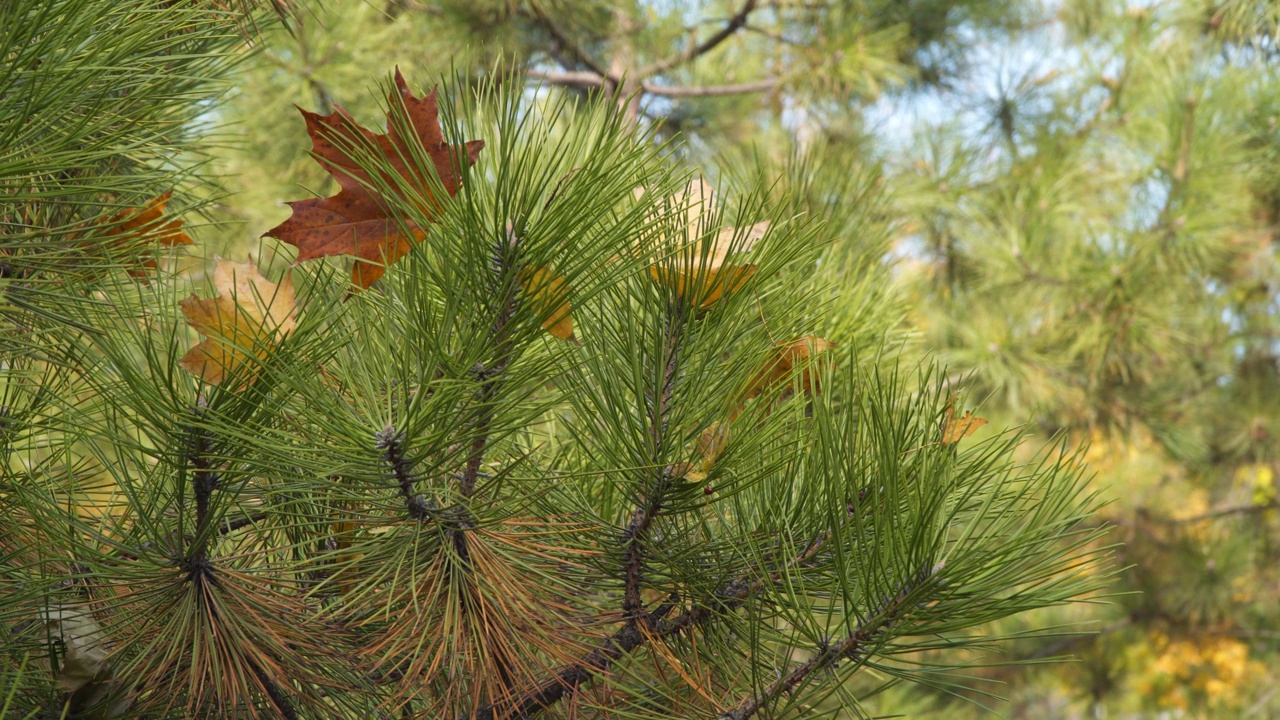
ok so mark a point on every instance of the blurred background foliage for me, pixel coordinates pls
(1074, 206)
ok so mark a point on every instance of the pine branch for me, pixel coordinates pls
(204, 480)
(489, 377)
(278, 699)
(391, 443)
(1224, 512)
(629, 637)
(850, 648)
(733, 595)
(733, 25)
(578, 79)
(1182, 167)
(647, 509)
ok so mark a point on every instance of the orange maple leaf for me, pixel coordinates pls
(804, 353)
(247, 318)
(955, 429)
(355, 221)
(135, 226)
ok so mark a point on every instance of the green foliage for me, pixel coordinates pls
(1101, 255)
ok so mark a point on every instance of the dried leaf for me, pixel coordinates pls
(248, 317)
(710, 446)
(133, 227)
(549, 294)
(956, 429)
(786, 357)
(86, 657)
(355, 221)
(708, 277)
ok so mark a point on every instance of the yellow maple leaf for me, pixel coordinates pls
(704, 271)
(549, 294)
(710, 446)
(955, 429)
(247, 318)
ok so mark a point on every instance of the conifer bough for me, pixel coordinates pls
(415, 501)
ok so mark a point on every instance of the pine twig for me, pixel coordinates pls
(490, 376)
(1225, 512)
(587, 80)
(648, 508)
(278, 699)
(204, 480)
(849, 648)
(733, 595)
(629, 637)
(578, 79)
(687, 91)
(391, 442)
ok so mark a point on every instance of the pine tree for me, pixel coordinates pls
(591, 443)
(1092, 237)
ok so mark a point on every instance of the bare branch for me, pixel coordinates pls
(566, 42)
(582, 79)
(568, 79)
(1225, 512)
(732, 26)
(678, 91)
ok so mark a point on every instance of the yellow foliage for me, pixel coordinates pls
(1187, 672)
(1260, 479)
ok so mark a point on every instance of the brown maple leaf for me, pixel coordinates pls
(356, 221)
(247, 318)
